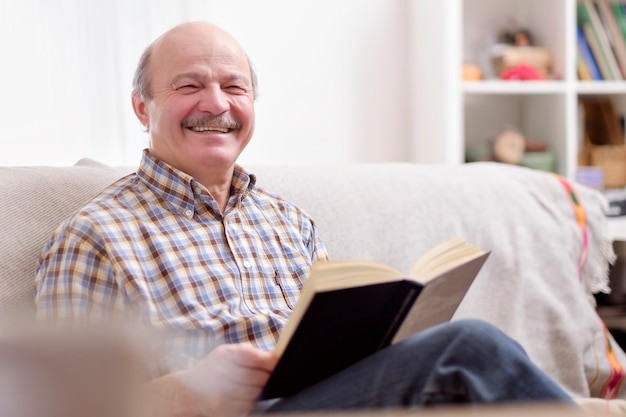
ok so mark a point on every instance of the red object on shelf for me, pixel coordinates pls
(521, 72)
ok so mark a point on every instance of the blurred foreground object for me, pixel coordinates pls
(68, 372)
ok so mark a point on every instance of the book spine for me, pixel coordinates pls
(618, 12)
(613, 33)
(586, 56)
(584, 21)
(591, 16)
(597, 52)
(583, 71)
(405, 306)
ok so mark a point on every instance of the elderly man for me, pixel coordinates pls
(189, 243)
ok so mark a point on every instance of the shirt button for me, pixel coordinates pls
(246, 264)
(188, 213)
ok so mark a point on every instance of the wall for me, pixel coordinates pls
(434, 61)
(333, 77)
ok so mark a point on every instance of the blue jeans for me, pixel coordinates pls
(466, 361)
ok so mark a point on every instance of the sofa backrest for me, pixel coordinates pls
(389, 213)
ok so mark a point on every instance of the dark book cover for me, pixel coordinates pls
(340, 328)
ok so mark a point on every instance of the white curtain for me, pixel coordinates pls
(66, 72)
(333, 77)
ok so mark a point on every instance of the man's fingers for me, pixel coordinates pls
(250, 357)
(249, 377)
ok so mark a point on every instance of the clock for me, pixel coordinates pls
(508, 146)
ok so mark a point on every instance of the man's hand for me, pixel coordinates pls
(226, 383)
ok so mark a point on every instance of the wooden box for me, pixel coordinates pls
(610, 158)
(537, 57)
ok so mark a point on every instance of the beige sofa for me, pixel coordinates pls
(548, 255)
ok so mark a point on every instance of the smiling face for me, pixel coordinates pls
(200, 110)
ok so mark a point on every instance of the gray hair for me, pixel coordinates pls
(142, 81)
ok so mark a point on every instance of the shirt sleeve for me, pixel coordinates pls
(75, 278)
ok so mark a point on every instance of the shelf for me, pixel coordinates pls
(514, 87)
(601, 87)
(617, 227)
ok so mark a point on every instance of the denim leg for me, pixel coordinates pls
(461, 361)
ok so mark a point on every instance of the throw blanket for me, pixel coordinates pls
(611, 386)
(552, 308)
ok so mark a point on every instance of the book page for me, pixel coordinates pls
(440, 297)
(446, 255)
(336, 275)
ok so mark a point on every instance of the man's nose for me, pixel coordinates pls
(213, 100)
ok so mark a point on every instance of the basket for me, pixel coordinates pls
(612, 160)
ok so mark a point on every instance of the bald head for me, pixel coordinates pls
(182, 34)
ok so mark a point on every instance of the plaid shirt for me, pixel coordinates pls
(155, 243)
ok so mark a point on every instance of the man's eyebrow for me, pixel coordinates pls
(238, 78)
(231, 77)
(192, 75)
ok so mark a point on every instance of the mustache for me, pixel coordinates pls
(213, 121)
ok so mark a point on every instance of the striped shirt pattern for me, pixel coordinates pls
(155, 243)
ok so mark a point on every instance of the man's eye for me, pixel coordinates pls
(187, 87)
(236, 88)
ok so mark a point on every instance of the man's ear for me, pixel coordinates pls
(139, 107)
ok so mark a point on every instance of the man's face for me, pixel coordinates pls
(201, 114)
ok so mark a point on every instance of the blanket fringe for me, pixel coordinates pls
(600, 280)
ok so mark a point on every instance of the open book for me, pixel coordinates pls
(348, 310)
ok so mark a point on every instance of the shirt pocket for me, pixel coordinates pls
(290, 281)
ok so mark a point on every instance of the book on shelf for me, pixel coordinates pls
(601, 122)
(595, 34)
(582, 70)
(592, 41)
(586, 58)
(619, 11)
(348, 310)
(613, 32)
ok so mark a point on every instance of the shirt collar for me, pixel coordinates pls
(178, 188)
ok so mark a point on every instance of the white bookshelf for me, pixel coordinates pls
(451, 115)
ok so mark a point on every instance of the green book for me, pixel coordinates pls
(618, 11)
(594, 39)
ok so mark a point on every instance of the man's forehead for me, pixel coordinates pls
(187, 47)
(198, 38)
